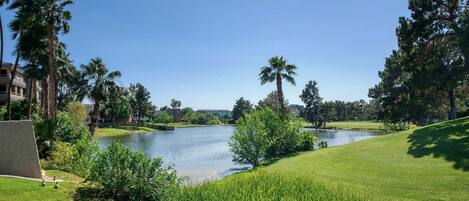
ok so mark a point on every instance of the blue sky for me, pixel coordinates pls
(207, 53)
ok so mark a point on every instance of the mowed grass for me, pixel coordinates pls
(358, 125)
(21, 189)
(355, 125)
(121, 130)
(427, 163)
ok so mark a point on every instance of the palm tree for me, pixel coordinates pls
(57, 18)
(278, 70)
(21, 20)
(100, 82)
(2, 3)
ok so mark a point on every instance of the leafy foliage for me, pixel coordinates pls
(127, 175)
(249, 142)
(241, 107)
(163, 117)
(312, 100)
(265, 134)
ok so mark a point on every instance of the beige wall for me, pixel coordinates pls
(18, 150)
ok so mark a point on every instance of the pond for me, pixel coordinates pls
(202, 153)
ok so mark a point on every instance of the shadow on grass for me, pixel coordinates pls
(87, 193)
(447, 140)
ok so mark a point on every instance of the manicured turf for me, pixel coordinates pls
(122, 130)
(427, 163)
(20, 189)
(355, 125)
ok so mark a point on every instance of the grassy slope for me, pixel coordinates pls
(20, 189)
(428, 163)
(122, 130)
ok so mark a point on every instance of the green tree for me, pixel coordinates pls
(175, 103)
(163, 117)
(100, 82)
(241, 107)
(2, 3)
(271, 101)
(118, 106)
(312, 100)
(278, 70)
(249, 142)
(433, 43)
(140, 102)
(57, 17)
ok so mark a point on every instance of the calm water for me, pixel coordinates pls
(202, 153)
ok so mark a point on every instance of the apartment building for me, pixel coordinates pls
(19, 90)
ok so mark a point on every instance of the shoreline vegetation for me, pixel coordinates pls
(382, 168)
(128, 130)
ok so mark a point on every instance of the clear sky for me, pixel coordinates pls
(207, 53)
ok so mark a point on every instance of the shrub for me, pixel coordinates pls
(307, 140)
(127, 175)
(249, 142)
(163, 117)
(392, 127)
(264, 134)
(322, 144)
(3, 112)
(77, 113)
(75, 158)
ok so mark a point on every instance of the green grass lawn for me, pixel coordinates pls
(354, 125)
(427, 163)
(121, 130)
(21, 189)
(357, 125)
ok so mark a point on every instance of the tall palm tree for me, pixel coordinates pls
(100, 82)
(22, 18)
(2, 3)
(278, 70)
(57, 18)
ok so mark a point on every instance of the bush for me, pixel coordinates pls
(392, 127)
(3, 112)
(307, 141)
(77, 113)
(249, 142)
(75, 158)
(265, 135)
(322, 144)
(126, 175)
(163, 117)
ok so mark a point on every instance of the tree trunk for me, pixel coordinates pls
(1, 41)
(452, 101)
(45, 97)
(279, 92)
(10, 83)
(94, 118)
(30, 98)
(52, 71)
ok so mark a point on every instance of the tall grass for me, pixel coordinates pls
(262, 185)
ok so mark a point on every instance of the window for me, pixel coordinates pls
(3, 88)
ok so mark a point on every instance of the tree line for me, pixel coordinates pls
(426, 78)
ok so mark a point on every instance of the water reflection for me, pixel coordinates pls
(202, 153)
